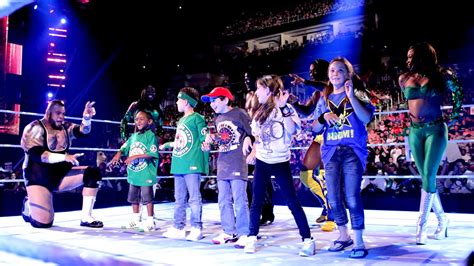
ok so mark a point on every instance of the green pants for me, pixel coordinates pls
(428, 142)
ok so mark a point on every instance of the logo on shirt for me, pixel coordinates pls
(137, 165)
(227, 136)
(271, 131)
(183, 141)
(342, 111)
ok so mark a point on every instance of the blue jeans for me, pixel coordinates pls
(233, 197)
(182, 185)
(343, 178)
(262, 177)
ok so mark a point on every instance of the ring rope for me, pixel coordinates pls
(207, 176)
(294, 177)
(292, 148)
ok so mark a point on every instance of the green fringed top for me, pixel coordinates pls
(453, 84)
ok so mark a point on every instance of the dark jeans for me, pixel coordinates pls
(343, 178)
(267, 209)
(262, 177)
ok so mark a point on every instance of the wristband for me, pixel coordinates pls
(56, 158)
(86, 122)
(286, 111)
(321, 119)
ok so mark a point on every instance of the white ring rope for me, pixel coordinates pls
(294, 177)
(207, 176)
(72, 118)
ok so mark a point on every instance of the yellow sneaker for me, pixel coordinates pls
(329, 226)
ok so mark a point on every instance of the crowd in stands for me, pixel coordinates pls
(259, 20)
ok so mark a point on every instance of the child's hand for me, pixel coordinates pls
(115, 160)
(251, 159)
(349, 88)
(129, 160)
(247, 146)
(205, 146)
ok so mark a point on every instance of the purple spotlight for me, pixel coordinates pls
(50, 95)
(51, 11)
(52, 44)
(63, 21)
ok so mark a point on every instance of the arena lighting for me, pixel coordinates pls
(63, 21)
(56, 29)
(56, 60)
(49, 95)
(35, 7)
(56, 77)
(57, 35)
(51, 11)
(52, 44)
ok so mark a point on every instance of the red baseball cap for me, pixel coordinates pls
(216, 92)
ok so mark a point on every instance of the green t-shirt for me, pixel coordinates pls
(188, 158)
(142, 172)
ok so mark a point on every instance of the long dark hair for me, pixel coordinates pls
(320, 71)
(425, 62)
(275, 84)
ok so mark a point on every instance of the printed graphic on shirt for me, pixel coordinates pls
(137, 148)
(343, 111)
(183, 141)
(343, 128)
(271, 131)
(227, 136)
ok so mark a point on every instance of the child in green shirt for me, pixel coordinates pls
(142, 163)
(188, 162)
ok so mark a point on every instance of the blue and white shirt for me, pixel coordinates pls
(350, 131)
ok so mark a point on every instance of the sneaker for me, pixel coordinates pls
(132, 224)
(223, 238)
(175, 233)
(195, 234)
(92, 223)
(329, 226)
(321, 219)
(309, 247)
(241, 242)
(264, 221)
(148, 225)
(251, 244)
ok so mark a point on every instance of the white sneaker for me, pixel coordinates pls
(148, 225)
(251, 244)
(132, 224)
(195, 234)
(241, 242)
(309, 247)
(223, 238)
(175, 233)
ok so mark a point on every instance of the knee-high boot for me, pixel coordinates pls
(443, 221)
(426, 203)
